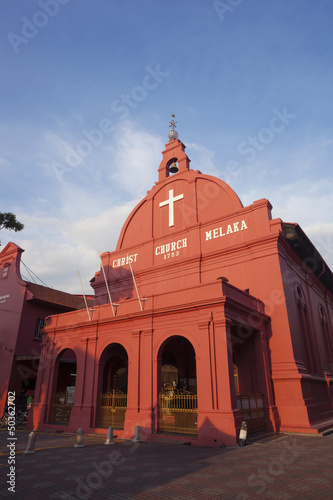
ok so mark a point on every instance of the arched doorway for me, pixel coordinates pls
(64, 387)
(246, 364)
(112, 399)
(178, 404)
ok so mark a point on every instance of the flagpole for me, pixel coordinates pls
(136, 288)
(106, 284)
(85, 300)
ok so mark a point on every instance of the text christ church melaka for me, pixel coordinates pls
(207, 314)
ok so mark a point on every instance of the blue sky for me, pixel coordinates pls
(86, 92)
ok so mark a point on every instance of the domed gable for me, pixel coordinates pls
(178, 202)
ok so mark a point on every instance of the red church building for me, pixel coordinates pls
(208, 313)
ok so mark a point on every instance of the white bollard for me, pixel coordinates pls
(243, 434)
(109, 437)
(136, 438)
(31, 443)
(79, 439)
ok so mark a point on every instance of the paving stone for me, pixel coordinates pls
(212, 491)
(174, 469)
(280, 495)
(41, 484)
(126, 479)
(202, 475)
(182, 480)
(158, 471)
(184, 498)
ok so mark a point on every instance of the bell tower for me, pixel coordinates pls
(175, 160)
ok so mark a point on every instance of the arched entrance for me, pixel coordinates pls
(178, 405)
(112, 399)
(64, 387)
(247, 361)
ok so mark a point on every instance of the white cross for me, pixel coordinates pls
(170, 202)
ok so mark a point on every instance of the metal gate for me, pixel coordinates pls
(112, 409)
(178, 411)
(61, 407)
(252, 408)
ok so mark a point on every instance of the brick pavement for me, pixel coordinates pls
(281, 467)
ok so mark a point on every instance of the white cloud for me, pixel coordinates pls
(135, 156)
(63, 236)
(202, 159)
(308, 203)
(4, 163)
(56, 248)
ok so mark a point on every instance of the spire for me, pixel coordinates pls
(173, 134)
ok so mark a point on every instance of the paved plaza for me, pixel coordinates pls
(281, 467)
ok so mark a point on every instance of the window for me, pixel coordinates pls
(40, 323)
(307, 333)
(236, 379)
(5, 271)
(325, 333)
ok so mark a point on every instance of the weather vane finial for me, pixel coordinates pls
(173, 134)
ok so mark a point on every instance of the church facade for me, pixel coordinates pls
(207, 314)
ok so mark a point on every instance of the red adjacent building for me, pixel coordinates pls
(23, 309)
(208, 313)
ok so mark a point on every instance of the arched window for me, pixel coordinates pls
(5, 270)
(236, 379)
(306, 331)
(325, 334)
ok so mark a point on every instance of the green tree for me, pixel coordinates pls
(9, 221)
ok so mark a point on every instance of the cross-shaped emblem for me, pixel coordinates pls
(171, 202)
